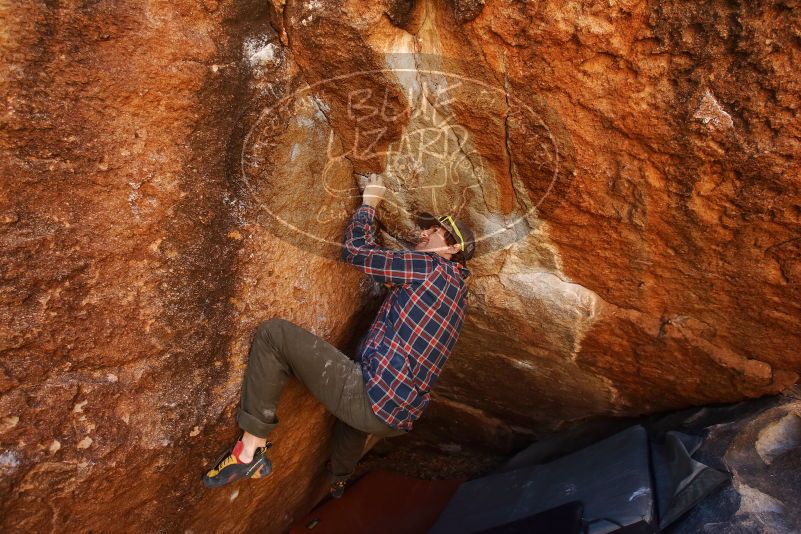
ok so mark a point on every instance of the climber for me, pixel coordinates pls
(399, 358)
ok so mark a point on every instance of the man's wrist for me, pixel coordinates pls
(366, 213)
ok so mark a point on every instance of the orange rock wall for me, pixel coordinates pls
(176, 172)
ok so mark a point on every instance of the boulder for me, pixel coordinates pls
(176, 172)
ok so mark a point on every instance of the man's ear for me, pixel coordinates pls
(453, 249)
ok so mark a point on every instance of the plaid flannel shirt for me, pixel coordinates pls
(417, 325)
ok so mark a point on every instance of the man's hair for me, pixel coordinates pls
(426, 220)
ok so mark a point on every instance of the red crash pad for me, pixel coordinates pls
(381, 502)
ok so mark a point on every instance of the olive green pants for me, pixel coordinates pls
(281, 348)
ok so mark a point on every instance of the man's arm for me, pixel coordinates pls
(383, 265)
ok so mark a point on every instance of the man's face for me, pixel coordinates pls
(433, 240)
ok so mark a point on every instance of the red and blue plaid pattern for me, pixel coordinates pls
(416, 327)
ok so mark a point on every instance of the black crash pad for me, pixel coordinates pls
(610, 478)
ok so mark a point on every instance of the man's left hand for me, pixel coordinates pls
(374, 190)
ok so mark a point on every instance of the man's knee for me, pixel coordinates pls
(270, 327)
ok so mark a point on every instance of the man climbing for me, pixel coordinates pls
(399, 359)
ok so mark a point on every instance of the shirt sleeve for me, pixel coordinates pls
(381, 264)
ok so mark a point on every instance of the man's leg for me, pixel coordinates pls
(265, 377)
(347, 444)
(279, 349)
(355, 421)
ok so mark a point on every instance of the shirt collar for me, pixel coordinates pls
(458, 267)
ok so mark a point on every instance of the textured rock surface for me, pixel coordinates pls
(175, 172)
(135, 269)
(762, 451)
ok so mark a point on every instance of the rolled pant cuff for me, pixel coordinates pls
(252, 425)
